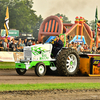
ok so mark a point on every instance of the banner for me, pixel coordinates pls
(10, 32)
(11, 56)
(6, 57)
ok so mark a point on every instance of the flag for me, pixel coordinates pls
(96, 21)
(6, 24)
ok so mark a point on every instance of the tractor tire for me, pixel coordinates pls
(68, 62)
(20, 71)
(40, 69)
(60, 53)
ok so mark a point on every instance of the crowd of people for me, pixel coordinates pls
(14, 45)
(17, 46)
(83, 48)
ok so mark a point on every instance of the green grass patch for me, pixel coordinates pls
(7, 65)
(50, 86)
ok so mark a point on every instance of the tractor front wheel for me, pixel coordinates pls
(40, 69)
(20, 71)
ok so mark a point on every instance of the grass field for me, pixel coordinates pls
(50, 86)
(7, 65)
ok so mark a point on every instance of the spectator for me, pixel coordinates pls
(69, 45)
(19, 41)
(19, 47)
(74, 46)
(94, 48)
(5, 44)
(22, 44)
(98, 49)
(89, 49)
(78, 44)
(37, 42)
(33, 42)
(9, 42)
(1, 46)
(80, 49)
(13, 46)
(25, 42)
(85, 47)
(66, 44)
(16, 41)
(83, 43)
(12, 40)
(29, 43)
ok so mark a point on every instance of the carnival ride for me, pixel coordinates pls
(79, 39)
(53, 26)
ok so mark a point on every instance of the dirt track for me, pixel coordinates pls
(11, 77)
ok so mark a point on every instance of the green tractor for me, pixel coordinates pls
(66, 61)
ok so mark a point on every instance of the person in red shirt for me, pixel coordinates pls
(33, 42)
(7, 45)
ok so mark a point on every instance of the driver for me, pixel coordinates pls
(58, 44)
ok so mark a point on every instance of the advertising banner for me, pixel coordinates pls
(11, 56)
(96, 59)
(6, 57)
(10, 33)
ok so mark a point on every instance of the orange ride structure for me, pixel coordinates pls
(53, 26)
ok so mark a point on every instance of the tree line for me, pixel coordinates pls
(23, 18)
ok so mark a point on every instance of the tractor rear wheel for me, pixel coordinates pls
(67, 62)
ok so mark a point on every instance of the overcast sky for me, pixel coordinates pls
(71, 8)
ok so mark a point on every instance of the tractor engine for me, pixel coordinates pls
(38, 52)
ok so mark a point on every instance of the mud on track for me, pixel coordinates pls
(51, 95)
(11, 77)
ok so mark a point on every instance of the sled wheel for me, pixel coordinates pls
(40, 69)
(21, 71)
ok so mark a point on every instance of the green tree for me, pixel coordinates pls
(21, 15)
(37, 26)
(3, 5)
(64, 18)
